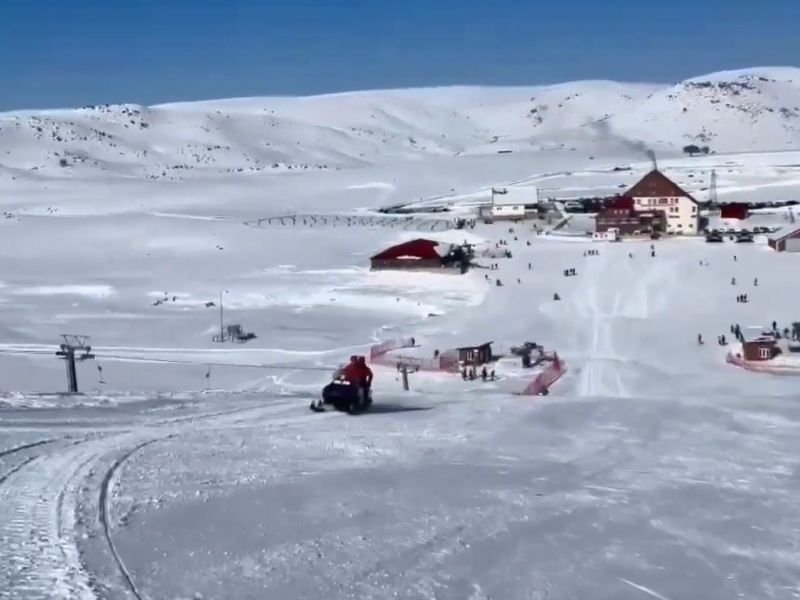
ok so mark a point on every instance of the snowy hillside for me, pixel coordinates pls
(191, 467)
(757, 109)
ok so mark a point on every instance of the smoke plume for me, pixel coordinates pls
(604, 132)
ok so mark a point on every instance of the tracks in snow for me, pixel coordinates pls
(618, 291)
(39, 501)
(38, 557)
(105, 509)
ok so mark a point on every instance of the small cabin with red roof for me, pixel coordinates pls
(421, 254)
(656, 191)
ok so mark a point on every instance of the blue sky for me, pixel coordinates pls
(57, 53)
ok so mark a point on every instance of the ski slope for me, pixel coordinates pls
(193, 469)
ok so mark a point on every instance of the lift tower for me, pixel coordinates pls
(67, 350)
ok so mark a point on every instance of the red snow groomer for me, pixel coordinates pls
(350, 390)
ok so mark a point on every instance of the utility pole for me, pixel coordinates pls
(221, 336)
(221, 327)
(67, 349)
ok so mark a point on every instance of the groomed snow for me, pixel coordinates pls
(193, 469)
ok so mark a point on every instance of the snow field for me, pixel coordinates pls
(653, 469)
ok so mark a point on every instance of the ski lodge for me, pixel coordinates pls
(421, 254)
(785, 240)
(655, 191)
(621, 214)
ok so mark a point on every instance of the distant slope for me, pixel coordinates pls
(753, 109)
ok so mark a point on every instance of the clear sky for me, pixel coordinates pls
(57, 53)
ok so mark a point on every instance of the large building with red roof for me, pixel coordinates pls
(655, 191)
(620, 214)
(420, 254)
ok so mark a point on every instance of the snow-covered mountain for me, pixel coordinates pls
(753, 109)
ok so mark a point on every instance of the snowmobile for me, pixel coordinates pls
(343, 395)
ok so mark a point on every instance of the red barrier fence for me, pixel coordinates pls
(546, 378)
(385, 354)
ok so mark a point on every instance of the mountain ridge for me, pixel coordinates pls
(754, 109)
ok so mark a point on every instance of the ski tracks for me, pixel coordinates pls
(632, 294)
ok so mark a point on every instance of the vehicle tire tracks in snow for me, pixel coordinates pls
(104, 509)
(40, 499)
(18, 450)
(38, 557)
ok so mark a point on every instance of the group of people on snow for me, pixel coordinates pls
(471, 374)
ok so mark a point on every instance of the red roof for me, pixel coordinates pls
(418, 249)
(657, 185)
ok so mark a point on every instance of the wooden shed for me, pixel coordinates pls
(785, 240)
(763, 348)
(734, 210)
(475, 355)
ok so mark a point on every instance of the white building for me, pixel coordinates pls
(655, 191)
(510, 203)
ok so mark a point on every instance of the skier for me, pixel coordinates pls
(699, 339)
(733, 280)
(755, 282)
(556, 297)
(735, 259)
(529, 266)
